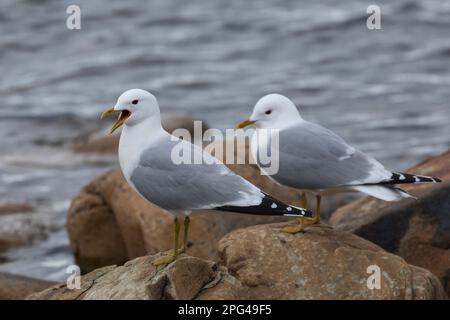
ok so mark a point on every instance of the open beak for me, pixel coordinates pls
(124, 115)
(245, 123)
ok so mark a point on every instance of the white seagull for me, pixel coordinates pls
(145, 156)
(314, 158)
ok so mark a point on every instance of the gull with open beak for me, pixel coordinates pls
(314, 158)
(124, 114)
(146, 160)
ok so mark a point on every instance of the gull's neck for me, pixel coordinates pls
(283, 123)
(262, 133)
(135, 139)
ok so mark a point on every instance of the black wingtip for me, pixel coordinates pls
(293, 211)
(270, 207)
(401, 178)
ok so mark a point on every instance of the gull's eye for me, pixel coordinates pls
(135, 101)
(268, 112)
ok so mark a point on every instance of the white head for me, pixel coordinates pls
(135, 106)
(273, 111)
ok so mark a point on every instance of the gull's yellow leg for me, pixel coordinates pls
(304, 200)
(186, 231)
(299, 227)
(317, 216)
(302, 222)
(171, 255)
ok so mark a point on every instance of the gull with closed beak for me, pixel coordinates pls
(314, 158)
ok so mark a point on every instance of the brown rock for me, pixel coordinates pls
(261, 262)
(95, 237)
(419, 231)
(21, 228)
(175, 120)
(13, 287)
(224, 287)
(20, 225)
(321, 263)
(97, 143)
(8, 207)
(139, 279)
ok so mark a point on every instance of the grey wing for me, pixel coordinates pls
(190, 186)
(314, 157)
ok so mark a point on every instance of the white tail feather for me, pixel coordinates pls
(384, 193)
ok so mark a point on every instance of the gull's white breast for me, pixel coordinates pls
(133, 141)
(260, 143)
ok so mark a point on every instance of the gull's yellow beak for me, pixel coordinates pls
(108, 112)
(124, 114)
(245, 123)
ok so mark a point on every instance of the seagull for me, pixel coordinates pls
(315, 159)
(147, 162)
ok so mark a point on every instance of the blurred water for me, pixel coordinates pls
(387, 91)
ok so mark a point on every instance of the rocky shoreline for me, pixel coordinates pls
(114, 235)
(262, 262)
